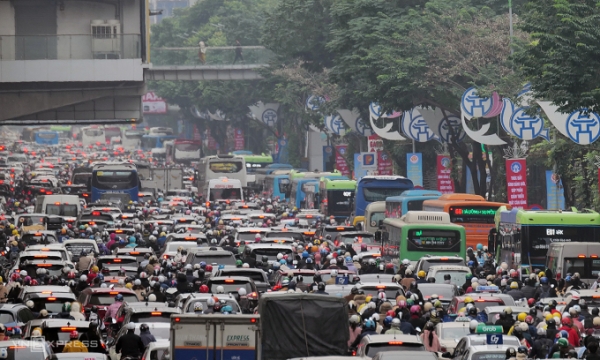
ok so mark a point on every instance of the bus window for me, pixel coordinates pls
(434, 240)
(115, 180)
(229, 167)
(574, 265)
(595, 267)
(415, 204)
(380, 194)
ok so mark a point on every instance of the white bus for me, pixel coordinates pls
(131, 139)
(67, 206)
(214, 167)
(224, 189)
(93, 136)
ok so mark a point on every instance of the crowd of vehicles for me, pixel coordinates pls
(233, 257)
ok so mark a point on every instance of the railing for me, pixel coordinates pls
(215, 56)
(65, 47)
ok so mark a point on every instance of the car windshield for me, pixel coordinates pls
(426, 264)
(52, 306)
(192, 304)
(390, 292)
(444, 293)
(171, 247)
(212, 259)
(108, 299)
(160, 333)
(254, 275)
(247, 236)
(482, 304)
(362, 239)
(373, 349)
(230, 287)
(155, 317)
(457, 277)
(6, 318)
(51, 269)
(455, 332)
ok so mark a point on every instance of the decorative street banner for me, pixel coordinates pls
(211, 142)
(340, 160)
(516, 183)
(334, 124)
(239, 141)
(265, 113)
(414, 168)
(555, 194)
(385, 166)
(375, 113)
(197, 134)
(415, 128)
(444, 180)
(283, 153)
(353, 120)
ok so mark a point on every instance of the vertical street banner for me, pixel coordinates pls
(197, 134)
(238, 139)
(340, 161)
(555, 193)
(385, 166)
(444, 179)
(516, 183)
(283, 153)
(414, 168)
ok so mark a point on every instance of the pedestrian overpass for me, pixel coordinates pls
(183, 63)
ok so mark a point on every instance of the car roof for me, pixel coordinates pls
(53, 323)
(480, 340)
(121, 290)
(383, 338)
(448, 267)
(498, 309)
(54, 288)
(269, 246)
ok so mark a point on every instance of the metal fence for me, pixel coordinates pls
(214, 56)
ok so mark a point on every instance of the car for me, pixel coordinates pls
(144, 312)
(370, 345)
(413, 355)
(356, 239)
(170, 248)
(391, 290)
(445, 292)
(228, 299)
(60, 248)
(481, 300)
(53, 267)
(231, 284)
(77, 246)
(26, 349)
(449, 333)
(426, 261)
(14, 315)
(248, 234)
(193, 237)
(591, 297)
(271, 250)
(457, 273)
(493, 312)
(332, 230)
(474, 347)
(257, 275)
(161, 331)
(213, 257)
(51, 302)
(121, 260)
(39, 237)
(56, 331)
(104, 297)
(158, 350)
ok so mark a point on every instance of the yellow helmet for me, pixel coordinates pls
(129, 285)
(421, 274)
(130, 202)
(549, 316)
(37, 331)
(368, 298)
(521, 317)
(15, 232)
(468, 300)
(12, 226)
(95, 269)
(541, 274)
(162, 234)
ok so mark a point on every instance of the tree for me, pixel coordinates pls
(563, 57)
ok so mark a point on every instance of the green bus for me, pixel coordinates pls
(523, 237)
(254, 161)
(336, 197)
(421, 233)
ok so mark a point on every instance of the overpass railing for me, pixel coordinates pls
(220, 56)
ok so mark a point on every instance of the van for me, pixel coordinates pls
(570, 257)
(374, 212)
(67, 206)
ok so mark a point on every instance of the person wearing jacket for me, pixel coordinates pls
(430, 338)
(145, 334)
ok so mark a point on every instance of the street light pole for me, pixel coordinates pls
(510, 24)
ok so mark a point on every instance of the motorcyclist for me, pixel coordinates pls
(130, 345)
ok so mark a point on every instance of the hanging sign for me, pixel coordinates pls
(445, 184)
(516, 182)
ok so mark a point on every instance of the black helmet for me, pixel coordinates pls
(572, 354)
(321, 286)
(552, 303)
(95, 309)
(473, 311)
(533, 312)
(510, 353)
(354, 290)
(265, 258)
(595, 311)
(522, 350)
(144, 327)
(551, 322)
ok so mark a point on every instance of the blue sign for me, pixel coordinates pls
(494, 339)
(362, 128)
(335, 124)
(475, 106)
(269, 117)
(414, 168)
(314, 102)
(444, 128)
(583, 129)
(341, 280)
(525, 126)
(555, 194)
(515, 167)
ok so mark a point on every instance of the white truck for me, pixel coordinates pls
(215, 336)
(163, 179)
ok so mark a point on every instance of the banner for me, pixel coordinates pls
(340, 161)
(470, 188)
(385, 166)
(239, 141)
(197, 134)
(444, 180)
(153, 104)
(516, 183)
(283, 156)
(555, 194)
(375, 143)
(414, 168)
(364, 164)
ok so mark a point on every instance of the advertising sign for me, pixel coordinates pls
(239, 142)
(555, 193)
(153, 104)
(414, 168)
(340, 160)
(385, 166)
(516, 183)
(444, 180)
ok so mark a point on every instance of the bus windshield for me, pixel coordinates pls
(225, 167)
(229, 194)
(47, 135)
(114, 180)
(93, 132)
(380, 194)
(339, 201)
(62, 210)
(433, 240)
(187, 146)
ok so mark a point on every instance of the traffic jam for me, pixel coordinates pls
(113, 252)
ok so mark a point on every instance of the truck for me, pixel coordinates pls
(301, 324)
(163, 179)
(215, 336)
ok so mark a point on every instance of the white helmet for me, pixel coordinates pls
(245, 266)
(83, 278)
(220, 290)
(334, 273)
(242, 292)
(151, 297)
(131, 326)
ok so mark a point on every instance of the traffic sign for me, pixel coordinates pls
(488, 329)
(494, 339)
(341, 280)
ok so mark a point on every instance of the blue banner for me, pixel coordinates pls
(414, 168)
(470, 188)
(328, 157)
(555, 195)
(283, 153)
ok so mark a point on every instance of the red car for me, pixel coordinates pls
(104, 297)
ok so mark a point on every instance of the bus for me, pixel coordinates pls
(92, 136)
(421, 233)
(115, 182)
(82, 176)
(396, 206)
(254, 162)
(224, 189)
(28, 133)
(160, 131)
(374, 214)
(275, 185)
(336, 197)
(155, 141)
(311, 194)
(46, 137)
(524, 236)
(216, 166)
(377, 188)
(183, 151)
(112, 134)
(297, 195)
(261, 173)
(471, 211)
(131, 139)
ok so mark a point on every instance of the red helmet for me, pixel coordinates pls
(74, 334)
(71, 275)
(389, 266)
(391, 313)
(33, 282)
(531, 302)
(208, 268)
(566, 321)
(203, 289)
(529, 319)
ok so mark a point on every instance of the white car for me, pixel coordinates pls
(158, 350)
